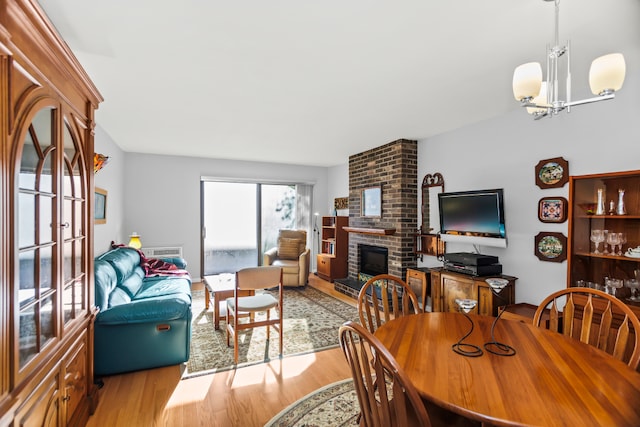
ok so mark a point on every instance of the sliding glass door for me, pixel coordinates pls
(240, 221)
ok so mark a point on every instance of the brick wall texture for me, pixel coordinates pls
(394, 167)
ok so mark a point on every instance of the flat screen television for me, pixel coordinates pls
(475, 217)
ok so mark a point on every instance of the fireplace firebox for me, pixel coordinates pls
(374, 260)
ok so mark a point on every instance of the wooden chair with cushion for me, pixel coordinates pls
(254, 278)
(394, 402)
(596, 318)
(385, 297)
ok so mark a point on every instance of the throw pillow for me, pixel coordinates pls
(288, 248)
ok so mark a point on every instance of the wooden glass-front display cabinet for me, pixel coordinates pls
(603, 208)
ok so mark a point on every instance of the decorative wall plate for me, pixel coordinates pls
(550, 246)
(552, 209)
(552, 173)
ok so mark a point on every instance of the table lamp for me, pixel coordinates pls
(466, 349)
(134, 241)
(497, 284)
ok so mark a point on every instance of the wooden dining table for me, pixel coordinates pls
(551, 380)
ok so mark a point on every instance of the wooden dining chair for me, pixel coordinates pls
(385, 394)
(385, 297)
(595, 318)
(255, 278)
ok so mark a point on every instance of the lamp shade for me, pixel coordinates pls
(527, 79)
(541, 99)
(607, 73)
(134, 241)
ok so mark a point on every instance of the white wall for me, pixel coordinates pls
(338, 185)
(110, 178)
(502, 153)
(162, 195)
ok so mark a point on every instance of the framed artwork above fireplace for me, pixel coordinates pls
(371, 201)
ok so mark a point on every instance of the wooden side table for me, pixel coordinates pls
(221, 287)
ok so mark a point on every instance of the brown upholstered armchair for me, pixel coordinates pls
(292, 255)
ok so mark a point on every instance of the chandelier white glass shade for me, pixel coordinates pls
(541, 98)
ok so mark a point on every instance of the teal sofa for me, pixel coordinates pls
(144, 321)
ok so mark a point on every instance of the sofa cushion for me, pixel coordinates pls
(159, 286)
(123, 260)
(105, 283)
(288, 248)
(288, 266)
(148, 310)
(133, 283)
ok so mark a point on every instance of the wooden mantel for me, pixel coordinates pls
(376, 231)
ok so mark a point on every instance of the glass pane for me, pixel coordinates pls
(68, 262)
(45, 178)
(26, 291)
(28, 334)
(46, 269)
(78, 298)
(26, 219)
(46, 207)
(47, 323)
(77, 219)
(78, 255)
(231, 239)
(278, 212)
(67, 302)
(67, 220)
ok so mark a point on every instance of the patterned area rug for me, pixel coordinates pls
(332, 405)
(311, 322)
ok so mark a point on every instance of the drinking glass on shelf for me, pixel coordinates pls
(612, 285)
(597, 237)
(612, 240)
(634, 286)
(622, 240)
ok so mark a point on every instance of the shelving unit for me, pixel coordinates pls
(334, 247)
(583, 263)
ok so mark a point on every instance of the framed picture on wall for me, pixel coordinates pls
(550, 246)
(371, 201)
(552, 209)
(552, 173)
(100, 206)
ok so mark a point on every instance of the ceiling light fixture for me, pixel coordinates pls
(541, 98)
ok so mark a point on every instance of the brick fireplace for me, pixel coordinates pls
(394, 167)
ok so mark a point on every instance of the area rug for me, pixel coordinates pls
(311, 322)
(332, 405)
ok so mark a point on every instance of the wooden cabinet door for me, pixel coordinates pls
(75, 379)
(43, 407)
(457, 288)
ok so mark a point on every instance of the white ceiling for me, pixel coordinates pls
(313, 82)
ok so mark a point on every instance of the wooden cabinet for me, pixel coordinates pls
(586, 265)
(334, 248)
(47, 104)
(419, 279)
(447, 286)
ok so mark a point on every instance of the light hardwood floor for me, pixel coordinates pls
(245, 397)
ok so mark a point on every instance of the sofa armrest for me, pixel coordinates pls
(270, 256)
(181, 263)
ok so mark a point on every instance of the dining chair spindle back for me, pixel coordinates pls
(385, 297)
(595, 318)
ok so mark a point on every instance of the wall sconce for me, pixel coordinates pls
(134, 241)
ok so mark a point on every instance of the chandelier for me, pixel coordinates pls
(541, 98)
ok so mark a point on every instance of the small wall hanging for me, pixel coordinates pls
(552, 209)
(99, 161)
(550, 246)
(552, 173)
